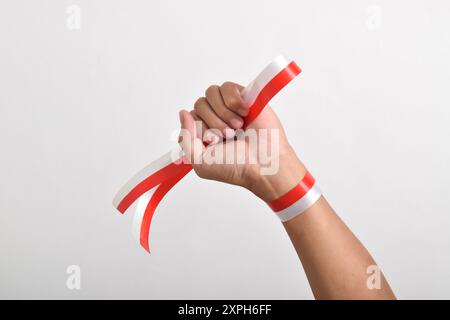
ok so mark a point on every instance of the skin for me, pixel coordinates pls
(334, 260)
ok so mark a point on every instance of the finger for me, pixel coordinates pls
(192, 146)
(204, 110)
(214, 98)
(199, 125)
(209, 136)
(231, 95)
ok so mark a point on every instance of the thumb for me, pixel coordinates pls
(191, 145)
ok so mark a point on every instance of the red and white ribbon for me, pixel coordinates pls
(297, 200)
(152, 183)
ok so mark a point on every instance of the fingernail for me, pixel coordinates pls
(229, 133)
(243, 111)
(236, 123)
(180, 115)
(215, 139)
(212, 138)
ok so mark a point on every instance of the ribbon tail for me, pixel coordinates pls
(156, 198)
(148, 178)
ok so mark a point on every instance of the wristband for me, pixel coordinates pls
(297, 200)
(149, 186)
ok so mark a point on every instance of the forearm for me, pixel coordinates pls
(334, 260)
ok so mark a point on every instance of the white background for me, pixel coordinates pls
(83, 110)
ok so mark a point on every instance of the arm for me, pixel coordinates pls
(334, 260)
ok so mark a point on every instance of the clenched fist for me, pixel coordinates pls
(257, 157)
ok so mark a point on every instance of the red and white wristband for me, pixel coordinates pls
(297, 200)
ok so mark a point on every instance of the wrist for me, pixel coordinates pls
(290, 171)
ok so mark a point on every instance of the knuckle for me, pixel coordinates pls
(211, 90)
(227, 84)
(233, 102)
(199, 103)
(231, 95)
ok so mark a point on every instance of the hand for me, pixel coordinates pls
(220, 114)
